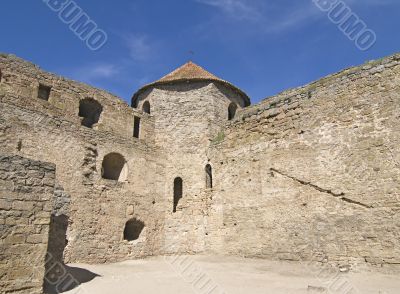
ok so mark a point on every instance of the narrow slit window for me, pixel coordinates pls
(44, 92)
(136, 127)
(178, 192)
(209, 179)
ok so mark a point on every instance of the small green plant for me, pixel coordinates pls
(219, 138)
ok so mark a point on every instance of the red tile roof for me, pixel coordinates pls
(189, 71)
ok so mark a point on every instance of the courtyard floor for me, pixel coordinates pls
(229, 275)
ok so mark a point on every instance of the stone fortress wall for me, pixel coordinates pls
(26, 200)
(314, 173)
(51, 131)
(310, 174)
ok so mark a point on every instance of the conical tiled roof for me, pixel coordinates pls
(191, 72)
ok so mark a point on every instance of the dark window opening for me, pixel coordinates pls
(178, 190)
(136, 127)
(114, 167)
(19, 145)
(232, 111)
(146, 107)
(209, 180)
(44, 92)
(133, 229)
(90, 111)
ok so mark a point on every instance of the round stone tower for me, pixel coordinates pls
(189, 106)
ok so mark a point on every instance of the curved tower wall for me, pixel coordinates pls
(188, 118)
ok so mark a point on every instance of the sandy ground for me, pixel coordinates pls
(215, 275)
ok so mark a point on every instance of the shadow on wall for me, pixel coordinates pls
(60, 277)
(73, 278)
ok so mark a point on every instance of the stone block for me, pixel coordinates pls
(36, 238)
(15, 239)
(42, 221)
(129, 210)
(23, 205)
(5, 204)
(6, 185)
(48, 182)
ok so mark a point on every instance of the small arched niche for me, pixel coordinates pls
(133, 229)
(232, 111)
(178, 192)
(89, 111)
(209, 179)
(146, 107)
(114, 167)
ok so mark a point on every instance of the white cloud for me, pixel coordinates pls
(141, 48)
(93, 73)
(237, 9)
(268, 16)
(102, 71)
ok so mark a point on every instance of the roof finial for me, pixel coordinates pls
(191, 55)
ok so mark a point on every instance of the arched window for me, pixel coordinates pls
(114, 167)
(178, 191)
(90, 111)
(209, 180)
(232, 111)
(146, 107)
(133, 229)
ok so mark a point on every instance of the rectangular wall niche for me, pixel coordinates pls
(136, 127)
(44, 92)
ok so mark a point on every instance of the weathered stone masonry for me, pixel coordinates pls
(50, 131)
(319, 167)
(26, 200)
(311, 174)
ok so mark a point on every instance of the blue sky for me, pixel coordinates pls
(261, 46)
